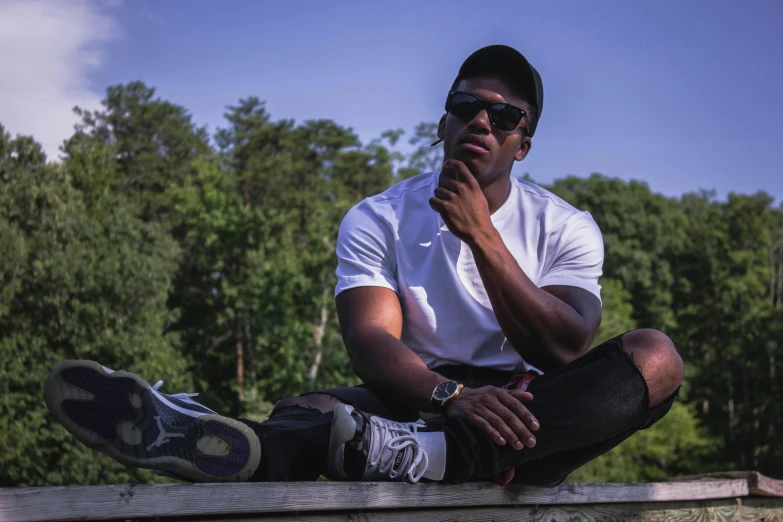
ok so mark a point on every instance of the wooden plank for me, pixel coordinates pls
(168, 500)
(759, 485)
(762, 486)
(754, 510)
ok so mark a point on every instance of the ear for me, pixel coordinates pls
(524, 148)
(442, 127)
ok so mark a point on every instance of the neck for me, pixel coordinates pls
(497, 192)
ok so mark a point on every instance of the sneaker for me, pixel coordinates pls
(368, 447)
(120, 415)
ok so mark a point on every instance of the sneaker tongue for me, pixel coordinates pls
(398, 460)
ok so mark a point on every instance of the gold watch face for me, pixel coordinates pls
(445, 390)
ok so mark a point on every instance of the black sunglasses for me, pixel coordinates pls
(502, 115)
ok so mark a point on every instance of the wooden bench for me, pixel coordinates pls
(727, 496)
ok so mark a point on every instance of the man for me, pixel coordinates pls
(467, 301)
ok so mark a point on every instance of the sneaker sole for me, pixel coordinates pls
(118, 414)
(343, 430)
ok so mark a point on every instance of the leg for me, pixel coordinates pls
(657, 358)
(295, 438)
(122, 416)
(609, 393)
(655, 355)
(554, 469)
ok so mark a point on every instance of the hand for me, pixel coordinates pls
(460, 201)
(499, 413)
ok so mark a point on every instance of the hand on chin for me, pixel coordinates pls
(471, 162)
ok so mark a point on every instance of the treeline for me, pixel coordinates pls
(208, 261)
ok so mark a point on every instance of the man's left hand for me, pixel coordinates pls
(460, 201)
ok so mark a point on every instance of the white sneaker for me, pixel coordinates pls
(368, 447)
(120, 415)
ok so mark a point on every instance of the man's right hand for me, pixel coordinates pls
(499, 413)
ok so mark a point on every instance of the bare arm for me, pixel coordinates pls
(371, 324)
(548, 327)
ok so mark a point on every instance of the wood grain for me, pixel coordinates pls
(167, 500)
(696, 511)
(759, 485)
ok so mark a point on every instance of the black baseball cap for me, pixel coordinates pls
(511, 63)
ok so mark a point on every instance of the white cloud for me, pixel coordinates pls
(47, 50)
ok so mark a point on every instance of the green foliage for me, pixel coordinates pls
(152, 143)
(425, 158)
(729, 324)
(617, 311)
(642, 231)
(212, 267)
(257, 278)
(705, 272)
(81, 280)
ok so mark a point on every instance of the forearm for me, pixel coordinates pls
(385, 364)
(544, 330)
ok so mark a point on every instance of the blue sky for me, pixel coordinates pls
(686, 95)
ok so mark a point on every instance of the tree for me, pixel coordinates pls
(776, 259)
(617, 311)
(83, 278)
(150, 250)
(152, 142)
(642, 231)
(236, 292)
(729, 326)
(255, 292)
(425, 157)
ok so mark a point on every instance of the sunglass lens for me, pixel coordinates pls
(505, 117)
(464, 106)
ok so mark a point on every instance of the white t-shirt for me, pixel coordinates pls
(395, 240)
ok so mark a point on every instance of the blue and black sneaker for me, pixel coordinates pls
(120, 415)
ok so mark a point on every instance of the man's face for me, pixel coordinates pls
(497, 149)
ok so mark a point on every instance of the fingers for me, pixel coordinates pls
(520, 434)
(488, 429)
(504, 414)
(504, 422)
(460, 172)
(520, 395)
(500, 420)
(437, 205)
(500, 414)
(443, 194)
(451, 185)
(449, 169)
(520, 419)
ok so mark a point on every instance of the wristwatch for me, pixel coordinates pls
(444, 393)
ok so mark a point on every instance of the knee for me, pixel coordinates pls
(657, 358)
(320, 402)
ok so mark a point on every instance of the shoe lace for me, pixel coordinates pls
(158, 384)
(397, 436)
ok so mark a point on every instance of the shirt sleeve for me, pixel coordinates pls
(578, 256)
(365, 251)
